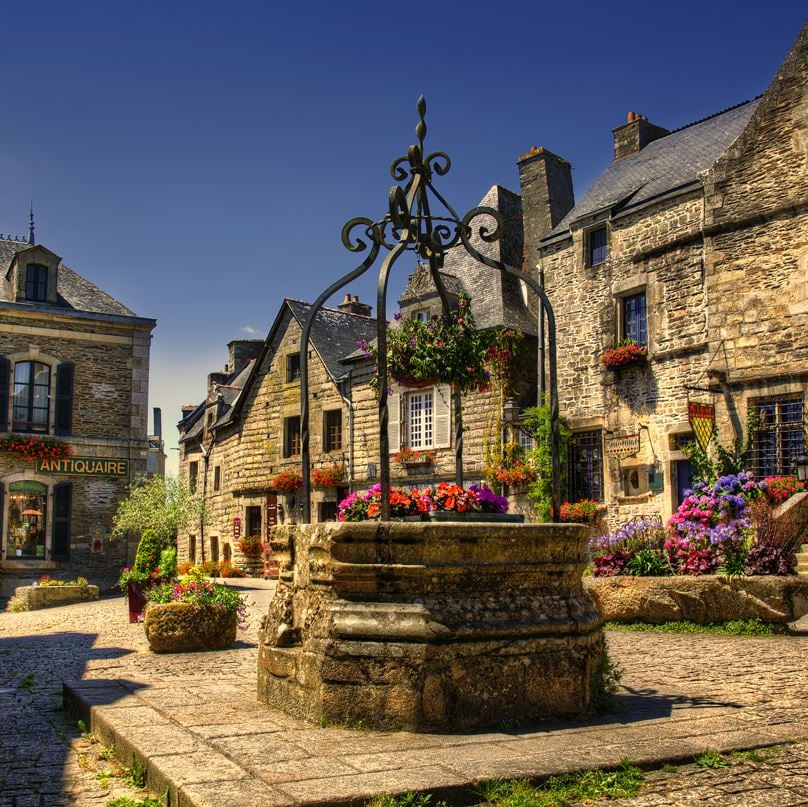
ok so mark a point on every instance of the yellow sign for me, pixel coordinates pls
(702, 421)
(83, 466)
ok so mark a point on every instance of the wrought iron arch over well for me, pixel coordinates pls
(410, 225)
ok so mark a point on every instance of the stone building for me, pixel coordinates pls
(693, 243)
(74, 369)
(248, 429)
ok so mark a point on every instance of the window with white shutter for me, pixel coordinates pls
(442, 431)
(394, 422)
(420, 419)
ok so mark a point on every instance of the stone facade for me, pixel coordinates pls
(88, 358)
(708, 225)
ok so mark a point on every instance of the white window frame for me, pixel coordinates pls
(421, 419)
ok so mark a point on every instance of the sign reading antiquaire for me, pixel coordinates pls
(84, 466)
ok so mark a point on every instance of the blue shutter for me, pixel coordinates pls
(63, 421)
(62, 499)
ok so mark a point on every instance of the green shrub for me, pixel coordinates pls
(648, 563)
(168, 561)
(147, 557)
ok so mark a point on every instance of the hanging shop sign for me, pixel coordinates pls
(623, 447)
(237, 528)
(84, 466)
(701, 417)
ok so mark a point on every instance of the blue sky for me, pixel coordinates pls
(198, 160)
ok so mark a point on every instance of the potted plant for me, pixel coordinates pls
(477, 503)
(288, 480)
(327, 476)
(193, 614)
(625, 354)
(583, 512)
(412, 505)
(144, 573)
(250, 546)
(448, 349)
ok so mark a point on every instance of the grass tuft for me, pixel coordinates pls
(735, 627)
(713, 759)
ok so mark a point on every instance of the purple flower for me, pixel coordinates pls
(397, 316)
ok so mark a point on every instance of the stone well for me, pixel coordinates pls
(425, 626)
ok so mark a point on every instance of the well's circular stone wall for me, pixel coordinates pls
(426, 626)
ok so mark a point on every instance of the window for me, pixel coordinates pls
(419, 419)
(292, 367)
(586, 466)
(27, 509)
(525, 440)
(192, 548)
(254, 520)
(31, 396)
(214, 548)
(332, 431)
(634, 321)
(193, 473)
(779, 436)
(217, 477)
(36, 283)
(291, 436)
(421, 316)
(328, 511)
(596, 242)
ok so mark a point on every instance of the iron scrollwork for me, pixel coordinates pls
(411, 226)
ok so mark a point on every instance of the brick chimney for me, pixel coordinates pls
(547, 196)
(240, 352)
(351, 305)
(632, 137)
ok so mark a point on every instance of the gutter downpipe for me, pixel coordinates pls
(348, 382)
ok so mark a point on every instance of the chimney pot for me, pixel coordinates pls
(347, 299)
(356, 298)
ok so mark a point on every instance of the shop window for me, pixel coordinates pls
(333, 430)
(586, 466)
(292, 367)
(254, 521)
(634, 318)
(31, 407)
(291, 436)
(27, 511)
(779, 435)
(596, 246)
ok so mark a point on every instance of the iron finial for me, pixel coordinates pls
(420, 129)
(31, 239)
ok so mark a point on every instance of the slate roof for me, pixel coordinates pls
(672, 162)
(231, 390)
(74, 292)
(334, 334)
(496, 298)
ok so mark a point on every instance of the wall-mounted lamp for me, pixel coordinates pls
(801, 467)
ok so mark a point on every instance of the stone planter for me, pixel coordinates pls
(50, 596)
(178, 627)
(474, 517)
(703, 599)
(429, 626)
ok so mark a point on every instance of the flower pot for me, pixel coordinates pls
(474, 516)
(137, 601)
(178, 627)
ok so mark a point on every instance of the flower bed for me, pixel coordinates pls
(624, 354)
(446, 497)
(713, 531)
(778, 489)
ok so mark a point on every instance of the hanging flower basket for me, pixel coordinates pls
(327, 476)
(625, 354)
(35, 448)
(413, 457)
(287, 481)
(446, 350)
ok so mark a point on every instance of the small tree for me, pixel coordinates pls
(163, 504)
(540, 492)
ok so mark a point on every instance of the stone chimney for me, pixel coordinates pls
(547, 196)
(351, 305)
(240, 352)
(632, 137)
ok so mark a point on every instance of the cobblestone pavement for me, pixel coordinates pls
(682, 695)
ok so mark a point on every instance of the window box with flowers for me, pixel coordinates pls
(327, 476)
(413, 460)
(289, 480)
(35, 448)
(627, 353)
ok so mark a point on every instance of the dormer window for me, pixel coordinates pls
(36, 283)
(597, 248)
